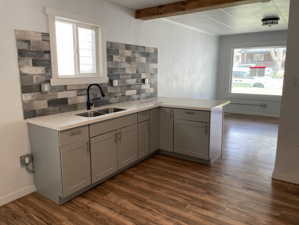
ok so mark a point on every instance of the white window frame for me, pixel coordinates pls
(101, 74)
(231, 95)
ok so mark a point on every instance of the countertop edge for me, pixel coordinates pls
(119, 114)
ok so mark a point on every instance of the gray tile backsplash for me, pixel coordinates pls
(132, 72)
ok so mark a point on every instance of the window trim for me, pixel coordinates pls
(228, 89)
(101, 74)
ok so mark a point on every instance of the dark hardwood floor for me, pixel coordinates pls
(237, 190)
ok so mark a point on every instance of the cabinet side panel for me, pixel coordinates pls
(46, 156)
(166, 129)
(155, 130)
(216, 132)
(143, 139)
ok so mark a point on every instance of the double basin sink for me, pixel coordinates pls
(100, 112)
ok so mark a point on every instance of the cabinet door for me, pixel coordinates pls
(191, 138)
(75, 162)
(154, 130)
(166, 129)
(103, 156)
(143, 139)
(128, 146)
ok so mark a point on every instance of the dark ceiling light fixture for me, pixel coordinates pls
(270, 20)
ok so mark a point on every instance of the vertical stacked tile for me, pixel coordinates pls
(133, 69)
(35, 70)
(129, 65)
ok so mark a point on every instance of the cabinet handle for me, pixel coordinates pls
(116, 137)
(119, 136)
(189, 112)
(206, 130)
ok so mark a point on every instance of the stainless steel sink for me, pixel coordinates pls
(90, 114)
(100, 112)
(109, 110)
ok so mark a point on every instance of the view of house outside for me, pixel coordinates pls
(258, 71)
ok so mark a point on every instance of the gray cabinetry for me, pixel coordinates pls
(72, 161)
(103, 155)
(192, 133)
(144, 116)
(191, 138)
(143, 134)
(127, 146)
(75, 160)
(115, 142)
(110, 125)
(75, 167)
(166, 129)
(154, 130)
(143, 139)
(61, 160)
(191, 115)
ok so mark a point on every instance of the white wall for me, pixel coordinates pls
(226, 45)
(287, 158)
(187, 64)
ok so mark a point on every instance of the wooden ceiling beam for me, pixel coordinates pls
(188, 6)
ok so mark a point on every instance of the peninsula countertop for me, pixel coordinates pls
(69, 120)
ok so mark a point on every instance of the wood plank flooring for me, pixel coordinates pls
(237, 190)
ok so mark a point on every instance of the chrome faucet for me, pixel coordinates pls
(89, 103)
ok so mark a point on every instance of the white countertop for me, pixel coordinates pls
(65, 121)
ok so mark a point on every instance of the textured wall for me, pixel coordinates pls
(189, 68)
(133, 67)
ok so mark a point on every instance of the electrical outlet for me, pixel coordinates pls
(145, 81)
(26, 160)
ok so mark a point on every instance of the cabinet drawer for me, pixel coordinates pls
(79, 134)
(109, 125)
(143, 116)
(193, 115)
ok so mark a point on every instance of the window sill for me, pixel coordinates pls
(81, 80)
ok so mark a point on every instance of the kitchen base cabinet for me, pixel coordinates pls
(127, 146)
(69, 162)
(61, 161)
(103, 155)
(166, 129)
(197, 135)
(191, 138)
(75, 167)
(143, 139)
(154, 130)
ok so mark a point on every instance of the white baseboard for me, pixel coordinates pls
(253, 114)
(16, 194)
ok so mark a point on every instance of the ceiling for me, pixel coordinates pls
(232, 20)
